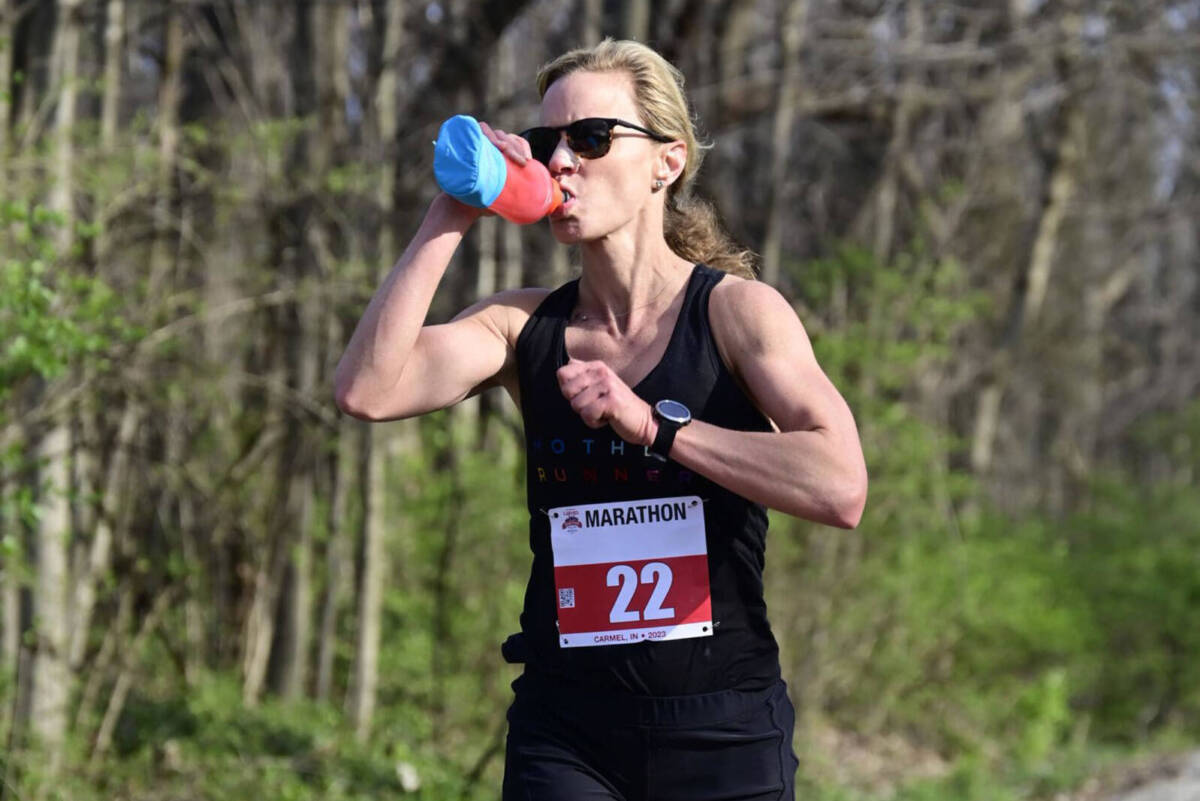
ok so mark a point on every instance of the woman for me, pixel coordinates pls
(665, 404)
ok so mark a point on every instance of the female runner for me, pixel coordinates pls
(667, 399)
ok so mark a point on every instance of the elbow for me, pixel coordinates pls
(351, 400)
(844, 501)
(851, 499)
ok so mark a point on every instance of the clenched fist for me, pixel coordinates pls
(600, 397)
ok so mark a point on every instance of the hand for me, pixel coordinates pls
(454, 206)
(511, 145)
(600, 397)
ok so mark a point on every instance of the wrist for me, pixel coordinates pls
(454, 212)
(669, 417)
(651, 431)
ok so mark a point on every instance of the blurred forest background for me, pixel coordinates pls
(213, 585)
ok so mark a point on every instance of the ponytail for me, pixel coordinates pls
(694, 232)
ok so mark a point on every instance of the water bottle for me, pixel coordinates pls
(469, 168)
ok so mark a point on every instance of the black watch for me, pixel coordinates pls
(671, 416)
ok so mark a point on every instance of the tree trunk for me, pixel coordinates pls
(8, 31)
(102, 537)
(591, 22)
(13, 564)
(114, 50)
(338, 561)
(98, 672)
(273, 557)
(361, 700)
(1037, 278)
(124, 682)
(168, 149)
(259, 631)
(296, 610)
(512, 274)
(332, 85)
(791, 39)
(637, 19)
(732, 50)
(51, 672)
(386, 125)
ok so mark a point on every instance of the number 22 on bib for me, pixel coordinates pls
(631, 571)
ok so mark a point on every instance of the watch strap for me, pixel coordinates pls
(664, 439)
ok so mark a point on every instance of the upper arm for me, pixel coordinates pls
(765, 345)
(454, 360)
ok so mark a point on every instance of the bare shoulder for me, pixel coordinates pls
(506, 312)
(749, 317)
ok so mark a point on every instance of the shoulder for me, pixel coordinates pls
(506, 312)
(519, 301)
(749, 317)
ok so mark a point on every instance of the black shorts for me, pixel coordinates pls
(564, 745)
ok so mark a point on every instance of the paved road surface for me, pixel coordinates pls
(1184, 786)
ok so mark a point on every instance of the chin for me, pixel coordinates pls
(567, 232)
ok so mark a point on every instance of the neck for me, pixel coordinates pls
(626, 278)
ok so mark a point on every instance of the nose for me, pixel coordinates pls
(563, 158)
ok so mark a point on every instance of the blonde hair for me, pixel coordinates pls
(690, 225)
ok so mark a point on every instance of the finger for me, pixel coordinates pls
(506, 143)
(509, 145)
(585, 374)
(596, 412)
(517, 148)
(571, 371)
(586, 397)
(523, 145)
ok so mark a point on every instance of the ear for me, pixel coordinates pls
(671, 161)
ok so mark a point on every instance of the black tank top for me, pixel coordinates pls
(569, 463)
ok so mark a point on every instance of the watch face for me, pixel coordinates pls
(674, 411)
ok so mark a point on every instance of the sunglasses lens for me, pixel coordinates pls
(590, 138)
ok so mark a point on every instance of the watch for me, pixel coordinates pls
(671, 416)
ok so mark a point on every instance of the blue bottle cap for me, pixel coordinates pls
(466, 165)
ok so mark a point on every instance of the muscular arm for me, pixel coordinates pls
(394, 366)
(811, 468)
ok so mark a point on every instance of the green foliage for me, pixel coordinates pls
(205, 744)
(999, 641)
(460, 567)
(1136, 555)
(49, 318)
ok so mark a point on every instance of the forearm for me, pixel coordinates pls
(814, 474)
(383, 340)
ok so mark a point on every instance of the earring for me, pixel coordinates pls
(658, 184)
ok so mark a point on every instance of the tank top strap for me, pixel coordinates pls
(537, 351)
(692, 348)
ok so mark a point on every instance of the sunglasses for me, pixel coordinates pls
(590, 137)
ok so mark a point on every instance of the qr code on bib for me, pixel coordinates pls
(566, 598)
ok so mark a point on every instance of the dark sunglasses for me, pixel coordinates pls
(590, 137)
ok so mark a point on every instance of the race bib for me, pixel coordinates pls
(631, 571)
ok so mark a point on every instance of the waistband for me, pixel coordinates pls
(674, 711)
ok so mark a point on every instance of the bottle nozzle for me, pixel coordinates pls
(556, 197)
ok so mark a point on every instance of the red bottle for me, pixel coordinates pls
(470, 168)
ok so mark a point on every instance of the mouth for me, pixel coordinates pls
(568, 202)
